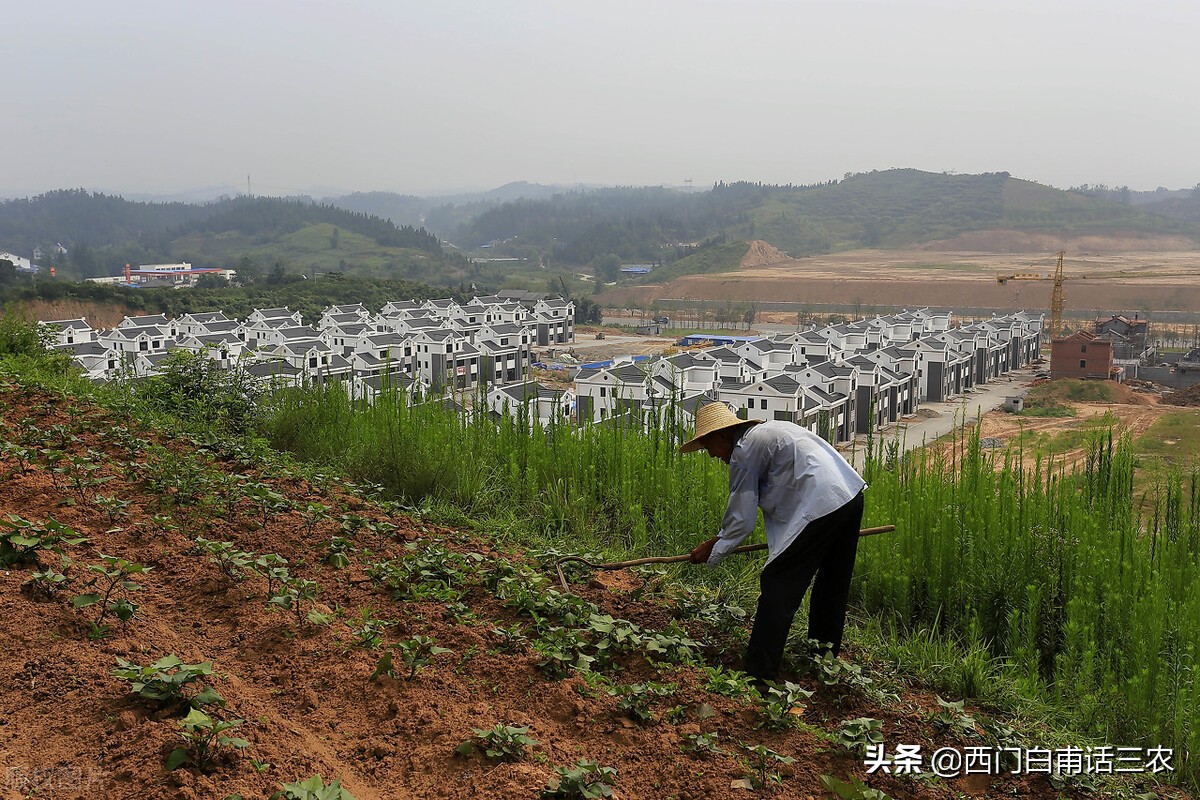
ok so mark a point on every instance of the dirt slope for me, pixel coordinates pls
(70, 729)
(762, 254)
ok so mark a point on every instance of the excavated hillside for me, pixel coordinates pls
(311, 601)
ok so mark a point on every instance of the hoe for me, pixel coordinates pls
(637, 562)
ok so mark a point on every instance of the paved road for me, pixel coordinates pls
(964, 411)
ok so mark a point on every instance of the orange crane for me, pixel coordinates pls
(1058, 300)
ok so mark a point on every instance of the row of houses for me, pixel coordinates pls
(836, 380)
(436, 344)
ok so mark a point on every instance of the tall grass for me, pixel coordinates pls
(1057, 574)
(1054, 579)
(607, 487)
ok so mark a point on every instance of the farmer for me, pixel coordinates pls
(812, 503)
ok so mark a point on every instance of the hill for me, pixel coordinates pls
(346, 638)
(883, 209)
(102, 233)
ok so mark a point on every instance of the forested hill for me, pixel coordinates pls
(101, 233)
(889, 209)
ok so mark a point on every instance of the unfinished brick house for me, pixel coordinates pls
(1082, 355)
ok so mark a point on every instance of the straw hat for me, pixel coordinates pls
(710, 419)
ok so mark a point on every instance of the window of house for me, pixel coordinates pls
(1083, 348)
(1083, 363)
(603, 391)
(143, 345)
(312, 361)
(763, 404)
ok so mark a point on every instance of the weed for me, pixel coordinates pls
(586, 780)
(205, 737)
(501, 743)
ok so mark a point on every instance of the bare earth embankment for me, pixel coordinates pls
(1103, 274)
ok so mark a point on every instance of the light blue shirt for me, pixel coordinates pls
(791, 473)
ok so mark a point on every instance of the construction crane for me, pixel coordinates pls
(1058, 300)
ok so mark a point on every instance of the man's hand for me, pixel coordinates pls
(703, 551)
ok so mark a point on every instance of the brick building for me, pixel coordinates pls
(1082, 355)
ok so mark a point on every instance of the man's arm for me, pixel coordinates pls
(740, 516)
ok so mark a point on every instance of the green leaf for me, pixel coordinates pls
(465, 749)
(177, 759)
(208, 697)
(383, 667)
(85, 600)
(236, 743)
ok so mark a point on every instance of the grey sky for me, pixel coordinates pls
(438, 95)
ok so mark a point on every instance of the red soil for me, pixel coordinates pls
(69, 729)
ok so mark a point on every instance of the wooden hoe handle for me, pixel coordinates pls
(637, 562)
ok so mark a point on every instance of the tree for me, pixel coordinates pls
(751, 313)
(249, 271)
(607, 267)
(211, 281)
(8, 271)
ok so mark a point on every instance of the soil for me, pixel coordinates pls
(70, 729)
(1134, 413)
(1183, 397)
(762, 254)
(98, 315)
(1116, 280)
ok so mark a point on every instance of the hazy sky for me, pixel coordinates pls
(440, 95)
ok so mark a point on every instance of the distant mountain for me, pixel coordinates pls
(102, 233)
(445, 210)
(883, 209)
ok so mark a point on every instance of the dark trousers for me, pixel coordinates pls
(825, 549)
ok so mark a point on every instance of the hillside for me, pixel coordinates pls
(305, 674)
(540, 225)
(883, 209)
(103, 233)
